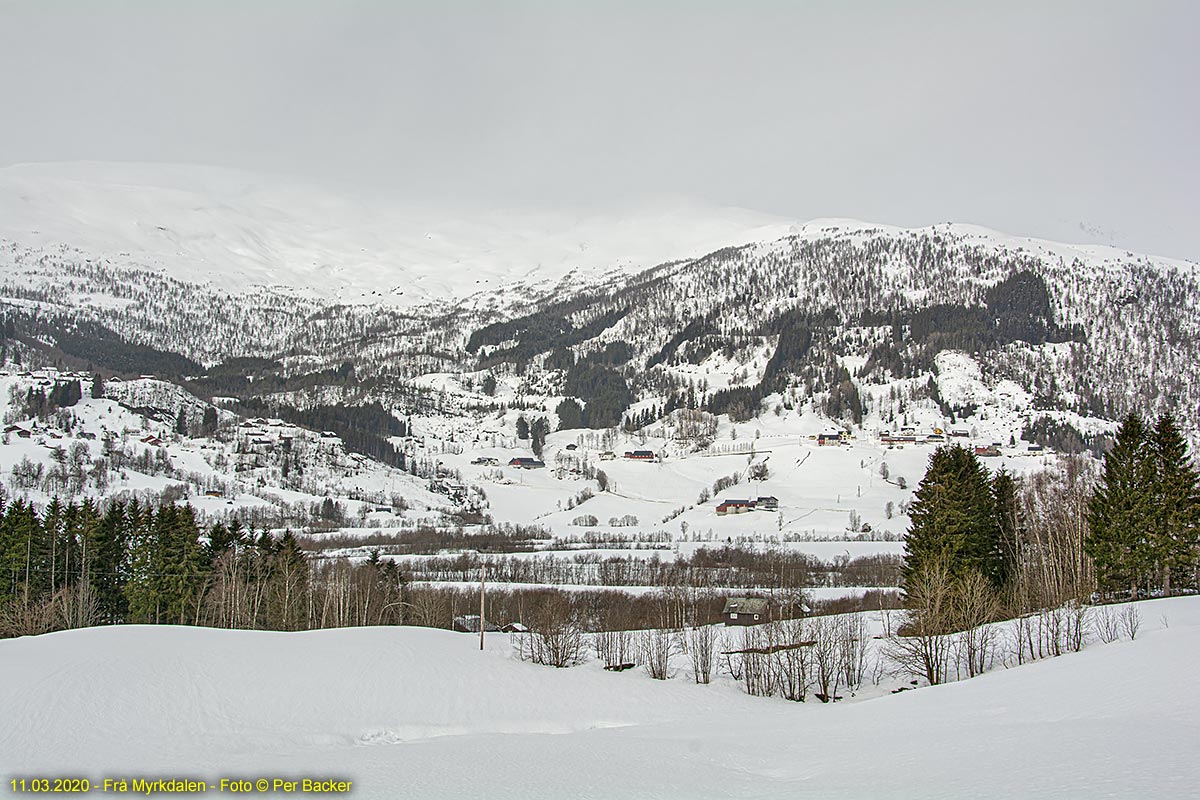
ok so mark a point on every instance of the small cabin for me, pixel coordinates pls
(470, 624)
(746, 611)
(767, 503)
(991, 451)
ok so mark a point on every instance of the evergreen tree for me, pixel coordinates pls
(209, 423)
(1176, 501)
(522, 427)
(954, 518)
(97, 386)
(288, 591)
(105, 554)
(1004, 490)
(538, 432)
(1121, 511)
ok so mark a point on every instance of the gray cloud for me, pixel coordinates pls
(1075, 121)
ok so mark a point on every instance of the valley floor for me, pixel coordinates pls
(408, 712)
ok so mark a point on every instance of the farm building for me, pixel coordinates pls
(640, 455)
(735, 507)
(991, 451)
(829, 438)
(470, 624)
(746, 611)
(892, 439)
(526, 463)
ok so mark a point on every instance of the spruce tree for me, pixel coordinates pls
(1121, 511)
(289, 585)
(538, 432)
(1004, 490)
(1176, 502)
(106, 554)
(954, 518)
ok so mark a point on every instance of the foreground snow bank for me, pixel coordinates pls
(422, 713)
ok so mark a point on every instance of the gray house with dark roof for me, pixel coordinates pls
(746, 611)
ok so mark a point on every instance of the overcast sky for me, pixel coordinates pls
(1075, 121)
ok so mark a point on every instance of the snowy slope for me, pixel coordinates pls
(409, 712)
(239, 230)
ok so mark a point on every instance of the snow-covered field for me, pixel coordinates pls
(407, 712)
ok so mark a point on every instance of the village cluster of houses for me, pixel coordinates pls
(524, 462)
(742, 506)
(938, 436)
(910, 436)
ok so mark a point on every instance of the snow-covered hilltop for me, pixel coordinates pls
(240, 231)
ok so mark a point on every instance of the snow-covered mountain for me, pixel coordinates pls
(699, 334)
(239, 231)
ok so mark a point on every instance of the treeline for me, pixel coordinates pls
(502, 538)
(547, 330)
(77, 565)
(726, 567)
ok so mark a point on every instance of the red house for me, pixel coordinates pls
(735, 507)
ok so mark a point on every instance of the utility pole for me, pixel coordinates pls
(482, 589)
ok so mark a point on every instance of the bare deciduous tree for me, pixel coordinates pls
(556, 637)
